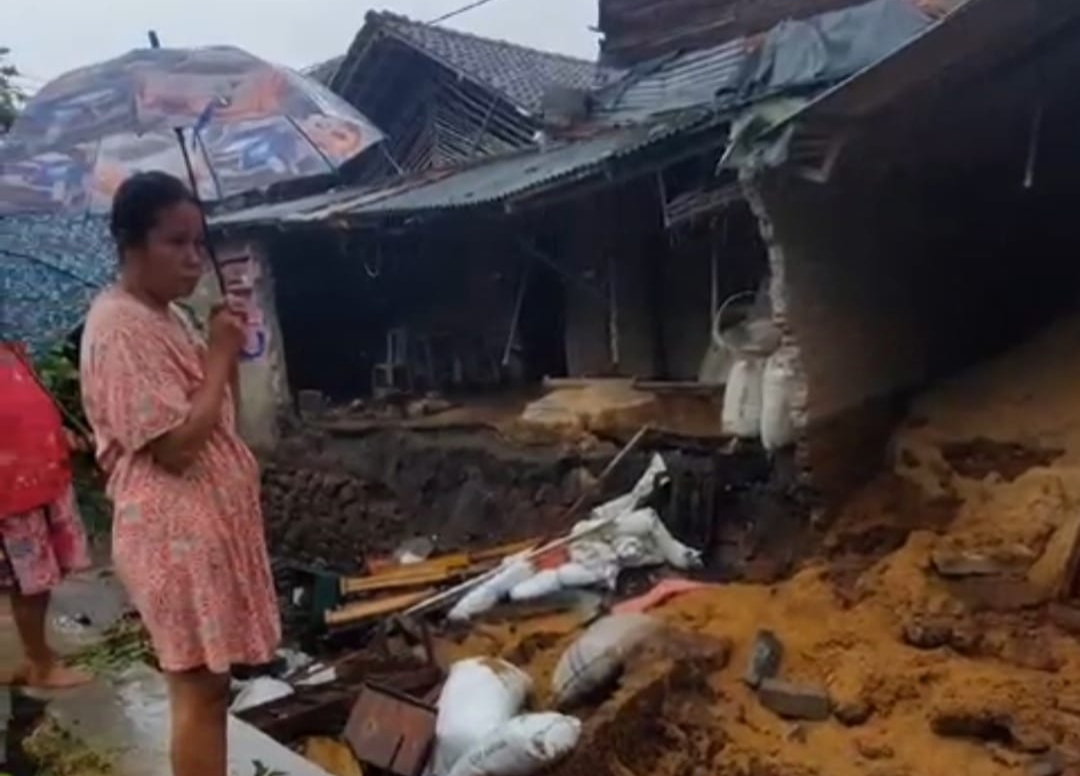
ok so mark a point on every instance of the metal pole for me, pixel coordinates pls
(155, 43)
(516, 319)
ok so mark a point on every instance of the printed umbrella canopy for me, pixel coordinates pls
(248, 124)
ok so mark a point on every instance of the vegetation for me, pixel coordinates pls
(59, 372)
(11, 96)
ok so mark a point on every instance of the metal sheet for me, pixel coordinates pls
(674, 83)
(490, 182)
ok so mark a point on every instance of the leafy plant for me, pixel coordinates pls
(57, 368)
(11, 96)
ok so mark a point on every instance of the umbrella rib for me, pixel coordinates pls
(49, 265)
(334, 169)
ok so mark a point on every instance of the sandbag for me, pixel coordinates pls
(627, 502)
(480, 695)
(642, 539)
(542, 583)
(523, 746)
(597, 656)
(486, 595)
(743, 397)
(777, 403)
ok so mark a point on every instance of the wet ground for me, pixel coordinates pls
(125, 719)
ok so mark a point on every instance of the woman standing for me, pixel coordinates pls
(41, 535)
(187, 534)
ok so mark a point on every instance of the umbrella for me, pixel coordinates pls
(244, 124)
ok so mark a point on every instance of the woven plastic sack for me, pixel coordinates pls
(480, 695)
(522, 747)
(596, 658)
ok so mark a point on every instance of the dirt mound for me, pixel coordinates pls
(926, 619)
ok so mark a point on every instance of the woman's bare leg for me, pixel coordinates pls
(43, 669)
(199, 704)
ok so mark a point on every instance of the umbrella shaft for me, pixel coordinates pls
(195, 190)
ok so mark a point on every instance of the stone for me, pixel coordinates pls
(874, 750)
(955, 564)
(793, 701)
(924, 633)
(1050, 764)
(1065, 617)
(765, 657)
(854, 712)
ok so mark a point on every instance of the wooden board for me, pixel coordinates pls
(445, 569)
(380, 607)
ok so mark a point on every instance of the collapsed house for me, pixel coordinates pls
(595, 262)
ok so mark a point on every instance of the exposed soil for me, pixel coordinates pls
(927, 617)
(981, 457)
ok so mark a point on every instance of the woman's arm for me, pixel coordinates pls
(177, 449)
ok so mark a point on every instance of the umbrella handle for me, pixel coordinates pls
(206, 226)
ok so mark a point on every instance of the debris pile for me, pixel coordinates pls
(936, 627)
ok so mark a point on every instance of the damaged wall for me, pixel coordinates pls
(924, 252)
(264, 388)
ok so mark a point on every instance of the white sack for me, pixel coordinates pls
(597, 656)
(571, 575)
(542, 583)
(480, 695)
(522, 747)
(628, 501)
(777, 402)
(486, 595)
(259, 692)
(743, 398)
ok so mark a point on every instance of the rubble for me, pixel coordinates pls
(765, 656)
(794, 701)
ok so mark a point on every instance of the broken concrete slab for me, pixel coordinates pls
(765, 657)
(128, 722)
(794, 701)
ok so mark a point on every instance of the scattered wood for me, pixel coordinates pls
(391, 731)
(351, 614)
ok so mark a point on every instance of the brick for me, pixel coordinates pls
(793, 701)
(765, 657)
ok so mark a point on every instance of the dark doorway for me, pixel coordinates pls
(543, 324)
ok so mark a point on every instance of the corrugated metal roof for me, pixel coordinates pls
(673, 83)
(498, 180)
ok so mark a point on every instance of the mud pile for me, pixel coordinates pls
(928, 618)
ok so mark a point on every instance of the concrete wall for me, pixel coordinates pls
(264, 389)
(884, 285)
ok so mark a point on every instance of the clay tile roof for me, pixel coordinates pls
(519, 73)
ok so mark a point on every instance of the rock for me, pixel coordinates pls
(792, 701)
(997, 594)
(1050, 764)
(874, 750)
(955, 564)
(854, 712)
(1065, 617)
(924, 633)
(765, 657)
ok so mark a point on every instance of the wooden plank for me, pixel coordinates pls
(498, 553)
(359, 585)
(380, 607)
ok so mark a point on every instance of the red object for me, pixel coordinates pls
(34, 465)
(661, 592)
